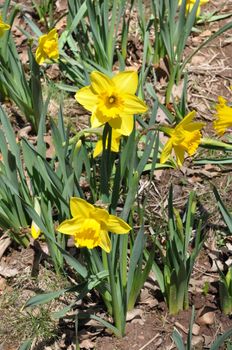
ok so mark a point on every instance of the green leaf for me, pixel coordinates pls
(26, 345)
(66, 34)
(220, 340)
(177, 338)
(159, 276)
(101, 321)
(137, 252)
(46, 297)
(225, 213)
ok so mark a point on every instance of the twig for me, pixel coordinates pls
(150, 341)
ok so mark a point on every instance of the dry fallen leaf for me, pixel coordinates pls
(207, 319)
(196, 329)
(87, 344)
(135, 313)
(6, 271)
(3, 284)
(206, 33)
(197, 60)
(180, 326)
(61, 5)
(5, 241)
(197, 340)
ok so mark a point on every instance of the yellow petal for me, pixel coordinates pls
(52, 34)
(115, 142)
(223, 116)
(179, 155)
(133, 105)
(123, 124)
(166, 152)
(86, 98)
(194, 126)
(95, 122)
(3, 27)
(100, 82)
(126, 81)
(98, 148)
(105, 242)
(70, 226)
(100, 215)
(117, 225)
(40, 57)
(187, 119)
(35, 230)
(80, 208)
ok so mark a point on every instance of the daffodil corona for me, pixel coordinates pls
(48, 47)
(90, 225)
(112, 100)
(223, 116)
(184, 138)
(3, 26)
(191, 3)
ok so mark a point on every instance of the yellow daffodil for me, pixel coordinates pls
(191, 3)
(35, 230)
(48, 47)
(115, 143)
(223, 116)
(112, 100)
(90, 225)
(3, 26)
(185, 137)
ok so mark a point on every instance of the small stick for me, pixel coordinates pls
(150, 341)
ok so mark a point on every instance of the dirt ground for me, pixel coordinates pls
(149, 326)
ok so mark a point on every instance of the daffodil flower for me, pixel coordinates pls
(184, 138)
(112, 100)
(3, 26)
(191, 3)
(90, 225)
(35, 230)
(115, 143)
(48, 47)
(223, 116)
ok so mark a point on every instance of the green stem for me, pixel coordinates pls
(124, 242)
(116, 306)
(170, 86)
